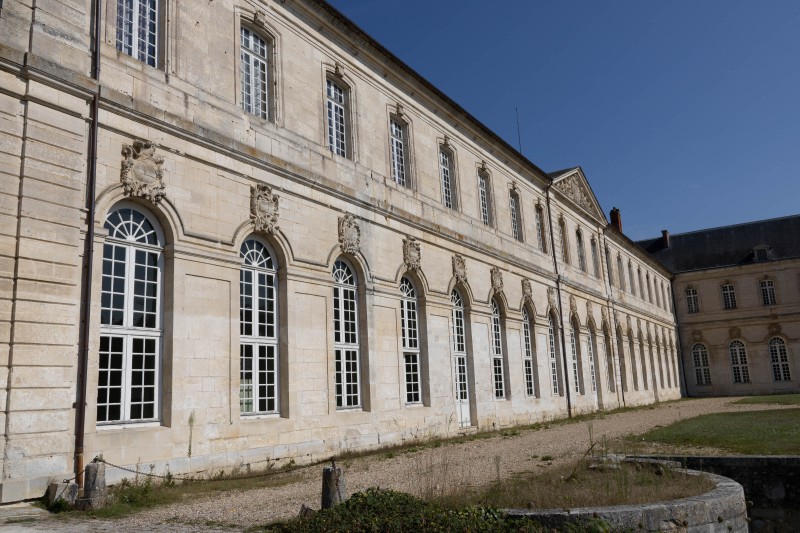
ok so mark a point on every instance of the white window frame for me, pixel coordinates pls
(621, 271)
(540, 236)
(595, 258)
(347, 350)
(562, 226)
(553, 351)
(728, 296)
(409, 325)
(398, 153)
(528, 360)
(259, 327)
(702, 371)
(447, 177)
(133, 40)
(484, 198)
(133, 233)
(631, 279)
(768, 292)
(692, 300)
(498, 370)
(779, 358)
(741, 371)
(255, 53)
(576, 365)
(590, 355)
(337, 107)
(515, 214)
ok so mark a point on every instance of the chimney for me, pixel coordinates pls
(664, 238)
(616, 219)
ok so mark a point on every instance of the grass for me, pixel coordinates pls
(747, 433)
(772, 399)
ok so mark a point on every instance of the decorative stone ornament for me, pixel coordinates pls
(411, 253)
(697, 335)
(142, 173)
(774, 328)
(589, 312)
(497, 280)
(551, 297)
(735, 333)
(527, 290)
(459, 268)
(573, 305)
(264, 209)
(260, 19)
(573, 188)
(349, 235)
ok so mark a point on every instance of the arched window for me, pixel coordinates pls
(398, 140)
(541, 239)
(459, 344)
(337, 101)
(255, 73)
(577, 369)
(741, 373)
(410, 328)
(780, 360)
(595, 260)
(692, 300)
(258, 330)
(528, 358)
(485, 198)
(498, 373)
(590, 356)
(553, 350)
(581, 250)
(702, 372)
(611, 375)
(447, 175)
(516, 215)
(345, 336)
(620, 272)
(138, 29)
(129, 367)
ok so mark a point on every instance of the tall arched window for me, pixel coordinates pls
(741, 373)
(129, 366)
(258, 330)
(581, 250)
(634, 360)
(528, 358)
(611, 375)
(459, 344)
(410, 327)
(498, 373)
(345, 336)
(780, 359)
(623, 365)
(553, 350)
(577, 369)
(702, 372)
(255, 73)
(643, 358)
(590, 356)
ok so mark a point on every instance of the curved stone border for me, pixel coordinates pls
(722, 510)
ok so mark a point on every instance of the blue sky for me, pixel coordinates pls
(685, 114)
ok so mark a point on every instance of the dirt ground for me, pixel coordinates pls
(424, 471)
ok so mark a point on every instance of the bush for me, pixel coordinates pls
(388, 511)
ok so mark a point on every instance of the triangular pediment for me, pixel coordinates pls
(573, 185)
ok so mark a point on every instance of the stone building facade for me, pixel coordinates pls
(737, 294)
(242, 230)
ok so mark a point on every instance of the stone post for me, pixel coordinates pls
(94, 487)
(334, 490)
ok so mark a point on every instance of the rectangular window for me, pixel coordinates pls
(768, 292)
(516, 222)
(540, 236)
(137, 29)
(590, 354)
(530, 387)
(692, 300)
(728, 296)
(397, 135)
(576, 371)
(413, 394)
(631, 278)
(497, 360)
(337, 128)
(446, 173)
(347, 378)
(410, 332)
(595, 260)
(483, 197)
(620, 272)
(551, 339)
(345, 329)
(258, 378)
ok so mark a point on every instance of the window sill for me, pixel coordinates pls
(258, 416)
(128, 425)
(357, 408)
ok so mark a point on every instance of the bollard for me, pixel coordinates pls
(66, 491)
(94, 487)
(334, 490)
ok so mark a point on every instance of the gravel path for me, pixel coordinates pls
(427, 471)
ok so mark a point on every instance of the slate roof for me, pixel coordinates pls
(728, 245)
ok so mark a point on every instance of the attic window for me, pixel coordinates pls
(761, 253)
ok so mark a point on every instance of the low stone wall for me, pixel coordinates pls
(722, 510)
(771, 486)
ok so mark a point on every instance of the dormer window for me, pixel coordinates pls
(761, 253)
